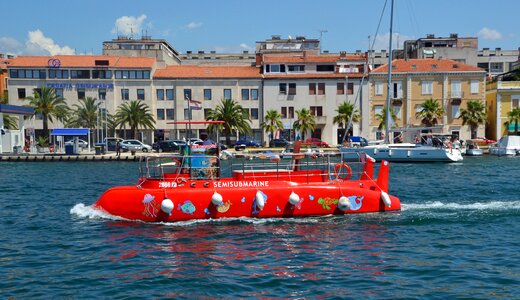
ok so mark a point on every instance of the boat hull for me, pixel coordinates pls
(241, 199)
(413, 154)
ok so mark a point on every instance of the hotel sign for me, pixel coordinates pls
(80, 85)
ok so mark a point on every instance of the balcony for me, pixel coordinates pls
(457, 94)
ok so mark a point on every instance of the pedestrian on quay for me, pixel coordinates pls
(118, 149)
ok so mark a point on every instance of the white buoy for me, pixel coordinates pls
(259, 199)
(294, 198)
(343, 203)
(386, 199)
(217, 199)
(167, 205)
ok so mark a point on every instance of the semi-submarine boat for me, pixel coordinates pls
(202, 184)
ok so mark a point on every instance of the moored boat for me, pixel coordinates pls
(200, 186)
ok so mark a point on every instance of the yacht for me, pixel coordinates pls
(405, 152)
(508, 145)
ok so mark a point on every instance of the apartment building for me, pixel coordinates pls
(318, 82)
(415, 80)
(501, 98)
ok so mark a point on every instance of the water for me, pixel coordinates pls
(456, 237)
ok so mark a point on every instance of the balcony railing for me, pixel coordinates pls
(457, 94)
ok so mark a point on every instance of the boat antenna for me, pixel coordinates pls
(389, 80)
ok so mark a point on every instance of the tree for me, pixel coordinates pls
(381, 118)
(234, 117)
(345, 111)
(85, 115)
(9, 121)
(430, 113)
(136, 114)
(272, 122)
(514, 117)
(49, 105)
(473, 115)
(304, 121)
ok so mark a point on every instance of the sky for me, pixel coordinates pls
(52, 27)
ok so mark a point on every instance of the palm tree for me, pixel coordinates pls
(136, 114)
(430, 113)
(381, 118)
(111, 124)
(234, 117)
(346, 110)
(304, 121)
(85, 115)
(272, 122)
(49, 105)
(9, 121)
(514, 117)
(473, 115)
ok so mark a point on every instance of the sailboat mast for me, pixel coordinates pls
(389, 80)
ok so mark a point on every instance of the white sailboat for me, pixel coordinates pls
(401, 152)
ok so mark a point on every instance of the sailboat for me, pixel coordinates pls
(401, 152)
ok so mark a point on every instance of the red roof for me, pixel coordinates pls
(312, 76)
(311, 58)
(426, 66)
(83, 61)
(208, 72)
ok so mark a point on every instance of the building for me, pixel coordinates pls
(160, 49)
(501, 98)
(318, 82)
(497, 61)
(4, 63)
(416, 80)
(461, 49)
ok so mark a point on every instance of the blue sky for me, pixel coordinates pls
(75, 27)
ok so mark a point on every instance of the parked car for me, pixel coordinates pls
(279, 143)
(111, 142)
(242, 144)
(317, 142)
(168, 145)
(192, 141)
(135, 145)
(81, 143)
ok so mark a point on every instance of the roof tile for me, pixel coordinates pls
(426, 66)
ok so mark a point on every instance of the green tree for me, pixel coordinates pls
(430, 113)
(514, 117)
(473, 115)
(234, 117)
(136, 114)
(345, 111)
(9, 121)
(85, 114)
(304, 121)
(49, 105)
(272, 122)
(381, 118)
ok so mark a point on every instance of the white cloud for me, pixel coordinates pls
(128, 25)
(381, 41)
(193, 25)
(246, 47)
(489, 34)
(36, 44)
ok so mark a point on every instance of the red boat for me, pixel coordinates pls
(204, 186)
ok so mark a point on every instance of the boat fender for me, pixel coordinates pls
(217, 199)
(294, 198)
(259, 199)
(386, 198)
(167, 206)
(344, 203)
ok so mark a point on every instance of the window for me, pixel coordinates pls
(132, 74)
(80, 74)
(427, 87)
(292, 88)
(140, 94)
(275, 68)
(59, 74)
(245, 94)
(254, 94)
(227, 94)
(340, 89)
(397, 111)
(379, 88)
(325, 68)
(254, 113)
(246, 113)
(207, 94)
(21, 94)
(474, 86)
(170, 94)
(455, 111)
(291, 112)
(102, 94)
(39, 116)
(317, 111)
(456, 89)
(160, 114)
(59, 92)
(283, 88)
(312, 88)
(207, 113)
(283, 112)
(296, 68)
(170, 114)
(81, 93)
(397, 90)
(321, 88)
(125, 95)
(187, 94)
(378, 109)
(102, 74)
(514, 102)
(160, 94)
(350, 88)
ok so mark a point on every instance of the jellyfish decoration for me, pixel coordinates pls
(217, 199)
(344, 203)
(167, 206)
(149, 206)
(294, 198)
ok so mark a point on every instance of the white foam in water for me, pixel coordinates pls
(493, 205)
(89, 212)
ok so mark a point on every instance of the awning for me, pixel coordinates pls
(70, 131)
(16, 110)
(511, 127)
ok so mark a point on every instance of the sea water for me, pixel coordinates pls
(457, 236)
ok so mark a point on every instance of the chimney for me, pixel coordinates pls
(343, 54)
